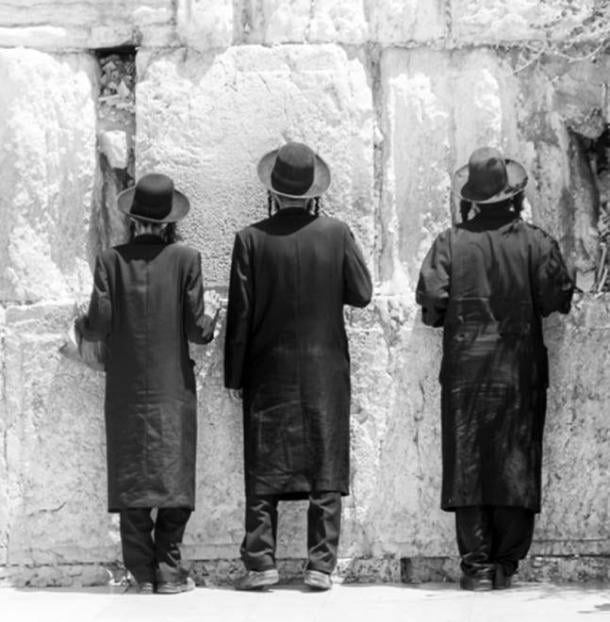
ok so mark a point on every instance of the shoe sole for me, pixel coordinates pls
(175, 588)
(259, 583)
(317, 584)
(484, 585)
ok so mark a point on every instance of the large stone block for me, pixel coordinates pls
(47, 164)
(4, 504)
(206, 120)
(299, 21)
(395, 434)
(576, 504)
(436, 109)
(45, 24)
(55, 448)
(482, 21)
(400, 22)
(202, 24)
(558, 111)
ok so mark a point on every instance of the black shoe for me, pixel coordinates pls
(502, 581)
(175, 587)
(477, 583)
(258, 579)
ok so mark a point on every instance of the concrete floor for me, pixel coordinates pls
(353, 603)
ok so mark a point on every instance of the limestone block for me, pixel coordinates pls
(4, 505)
(202, 24)
(339, 21)
(45, 24)
(481, 21)
(298, 21)
(396, 22)
(576, 505)
(395, 434)
(557, 113)
(55, 445)
(206, 120)
(48, 163)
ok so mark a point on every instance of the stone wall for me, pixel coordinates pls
(394, 95)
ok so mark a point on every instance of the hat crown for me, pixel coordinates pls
(487, 175)
(293, 170)
(153, 196)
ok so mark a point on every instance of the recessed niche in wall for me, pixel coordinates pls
(116, 135)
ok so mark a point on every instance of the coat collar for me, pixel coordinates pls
(294, 211)
(148, 238)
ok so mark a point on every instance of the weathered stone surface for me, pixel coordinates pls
(484, 21)
(206, 120)
(203, 25)
(48, 168)
(54, 444)
(557, 107)
(576, 504)
(299, 21)
(45, 24)
(4, 502)
(436, 110)
(396, 22)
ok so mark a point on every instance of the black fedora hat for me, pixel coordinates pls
(489, 177)
(154, 199)
(294, 171)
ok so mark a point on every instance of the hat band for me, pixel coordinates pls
(150, 210)
(291, 186)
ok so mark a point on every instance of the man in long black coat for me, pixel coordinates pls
(287, 350)
(147, 303)
(487, 282)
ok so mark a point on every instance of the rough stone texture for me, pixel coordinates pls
(48, 167)
(401, 22)
(71, 24)
(485, 21)
(54, 445)
(206, 120)
(202, 24)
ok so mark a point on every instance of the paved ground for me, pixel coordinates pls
(353, 603)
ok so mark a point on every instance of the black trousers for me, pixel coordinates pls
(151, 550)
(323, 527)
(490, 535)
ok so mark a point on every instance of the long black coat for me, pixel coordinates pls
(146, 303)
(488, 282)
(286, 347)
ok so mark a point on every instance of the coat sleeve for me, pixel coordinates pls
(198, 327)
(434, 281)
(552, 286)
(239, 315)
(97, 323)
(357, 284)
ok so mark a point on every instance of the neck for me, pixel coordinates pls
(286, 202)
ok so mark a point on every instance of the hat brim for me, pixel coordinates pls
(517, 180)
(321, 177)
(180, 207)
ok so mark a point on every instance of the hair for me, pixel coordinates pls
(465, 207)
(168, 233)
(515, 203)
(313, 205)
